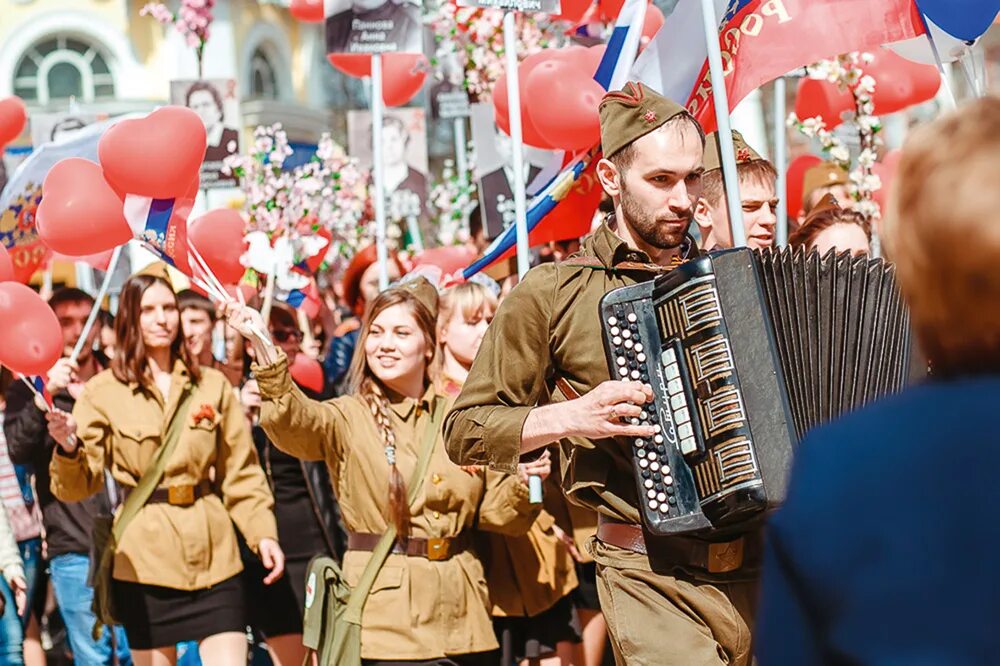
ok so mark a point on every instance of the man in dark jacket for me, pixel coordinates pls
(884, 550)
(68, 526)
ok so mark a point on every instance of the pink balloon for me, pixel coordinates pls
(307, 11)
(307, 372)
(219, 238)
(13, 118)
(6, 265)
(574, 123)
(80, 214)
(157, 156)
(31, 340)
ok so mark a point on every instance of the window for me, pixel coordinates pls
(63, 67)
(263, 81)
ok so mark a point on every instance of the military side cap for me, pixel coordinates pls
(423, 291)
(713, 155)
(824, 174)
(157, 269)
(632, 113)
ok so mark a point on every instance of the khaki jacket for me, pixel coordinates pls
(549, 328)
(418, 609)
(120, 427)
(528, 574)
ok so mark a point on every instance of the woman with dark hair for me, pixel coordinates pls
(429, 602)
(177, 565)
(830, 227)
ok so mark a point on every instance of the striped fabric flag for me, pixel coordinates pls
(762, 40)
(161, 227)
(612, 73)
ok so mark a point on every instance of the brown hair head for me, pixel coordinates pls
(826, 214)
(757, 171)
(363, 382)
(943, 232)
(130, 364)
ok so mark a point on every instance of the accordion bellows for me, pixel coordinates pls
(746, 351)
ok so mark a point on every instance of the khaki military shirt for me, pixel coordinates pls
(528, 574)
(418, 609)
(120, 426)
(549, 328)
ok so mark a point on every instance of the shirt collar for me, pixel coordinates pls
(179, 374)
(403, 406)
(609, 248)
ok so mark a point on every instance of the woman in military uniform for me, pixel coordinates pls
(177, 566)
(429, 603)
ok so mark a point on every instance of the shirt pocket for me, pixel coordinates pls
(388, 603)
(137, 441)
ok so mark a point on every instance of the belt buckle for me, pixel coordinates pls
(437, 549)
(726, 556)
(180, 495)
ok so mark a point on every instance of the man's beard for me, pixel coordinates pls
(657, 232)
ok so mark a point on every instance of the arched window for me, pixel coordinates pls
(63, 67)
(263, 80)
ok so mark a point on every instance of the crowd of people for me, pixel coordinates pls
(438, 408)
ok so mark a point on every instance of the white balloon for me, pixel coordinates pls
(919, 50)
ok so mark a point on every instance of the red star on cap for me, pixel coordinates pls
(743, 155)
(649, 116)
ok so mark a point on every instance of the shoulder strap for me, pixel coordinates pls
(152, 476)
(359, 595)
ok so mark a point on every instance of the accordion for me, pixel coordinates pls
(746, 351)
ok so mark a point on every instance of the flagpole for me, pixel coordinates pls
(517, 139)
(721, 101)
(951, 104)
(781, 159)
(378, 173)
(461, 146)
(101, 293)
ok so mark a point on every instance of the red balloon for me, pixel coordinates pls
(307, 372)
(245, 290)
(307, 11)
(80, 214)
(156, 156)
(572, 10)
(573, 124)
(529, 132)
(31, 340)
(609, 9)
(99, 261)
(358, 65)
(591, 59)
(6, 265)
(403, 75)
(13, 118)
(651, 24)
(450, 259)
(901, 83)
(824, 99)
(795, 182)
(219, 238)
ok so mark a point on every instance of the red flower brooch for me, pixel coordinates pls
(205, 413)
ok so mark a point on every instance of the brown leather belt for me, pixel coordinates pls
(714, 557)
(434, 549)
(179, 495)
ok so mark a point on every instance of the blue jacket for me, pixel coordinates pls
(887, 549)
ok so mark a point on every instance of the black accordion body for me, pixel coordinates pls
(746, 351)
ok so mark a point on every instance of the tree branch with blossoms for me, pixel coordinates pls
(470, 46)
(193, 20)
(847, 71)
(452, 199)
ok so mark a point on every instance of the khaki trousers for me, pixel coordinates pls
(670, 617)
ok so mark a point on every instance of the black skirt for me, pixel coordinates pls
(536, 637)
(157, 617)
(585, 593)
(276, 609)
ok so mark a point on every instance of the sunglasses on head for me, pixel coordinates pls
(285, 334)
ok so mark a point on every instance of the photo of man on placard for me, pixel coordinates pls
(215, 103)
(404, 148)
(373, 26)
(495, 154)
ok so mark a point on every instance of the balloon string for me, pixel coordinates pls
(38, 394)
(218, 289)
